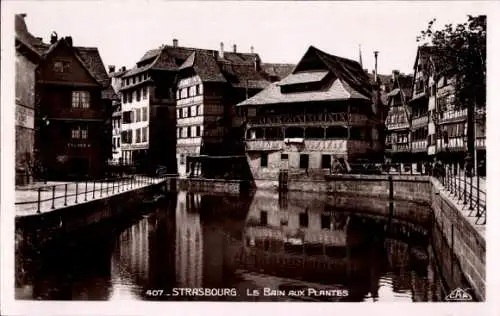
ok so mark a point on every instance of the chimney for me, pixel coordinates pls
(376, 65)
(124, 68)
(234, 48)
(176, 42)
(395, 74)
(53, 38)
(69, 40)
(221, 51)
(111, 69)
(251, 49)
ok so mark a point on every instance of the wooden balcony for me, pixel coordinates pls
(481, 143)
(339, 146)
(452, 116)
(419, 121)
(419, 146)
(307, 119)
(397, 148)
(397, 126)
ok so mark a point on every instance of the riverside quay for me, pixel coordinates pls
(308, 171)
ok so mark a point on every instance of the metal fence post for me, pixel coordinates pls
(107, 187)
(39, 196)
(455, 180)
(93, 190)
(85, 189)
(76, 195)
(113, 185)
(471, 187)
(465, 187)
(65, 194)
(478, 214)
(53, 196)
(459, 185)
(101, 188)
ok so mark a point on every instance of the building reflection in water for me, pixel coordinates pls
(313, 240)
(267, 240)
(189, 241)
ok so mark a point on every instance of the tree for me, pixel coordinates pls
(461, 53)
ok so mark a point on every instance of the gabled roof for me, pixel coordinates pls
(350, 81)
(303, 77)
(25, 37)
(205, 66)
(347, 70)
(93, 62)
(273, 95)
(277, 70)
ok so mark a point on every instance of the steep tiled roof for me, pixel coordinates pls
(272, 95)
(351, 82)
(23, 35)
(349, 71)
(93, 62)
(277, 70)
(303, 77)
(205, 65)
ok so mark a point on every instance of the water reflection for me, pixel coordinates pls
(375, 250)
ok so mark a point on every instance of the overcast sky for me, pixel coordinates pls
(279, 31)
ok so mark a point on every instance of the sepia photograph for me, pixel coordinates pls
(328, 152)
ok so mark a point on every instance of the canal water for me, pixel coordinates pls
(259, 247)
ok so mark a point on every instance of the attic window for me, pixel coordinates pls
(61, 66)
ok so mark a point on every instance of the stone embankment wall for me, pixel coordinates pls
(466, 242)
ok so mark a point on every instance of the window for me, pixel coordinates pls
(138, 95)
(304, 161)
(124, 98)
(198, 110)
(178, 94)
(138, 135)
(326, 161)
(79, 132)
(137, 115)
(193, 111)
(118, 142)
(263, 218)
(133, 79)
(128, 117)
(197, 89)
(182, 159)
(179, 113)
(326, 220)
(144, 93)
(303, 220)
(80, 99)
(284, 156)
(184, 112)
(144, 134)
(61, 66)
(198, 131)
(263, 159)
(145, 114)
(189, 132)
(178, 133)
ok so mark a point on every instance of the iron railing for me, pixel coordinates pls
(468, 190)
(50, 197)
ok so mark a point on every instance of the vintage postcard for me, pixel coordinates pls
(210, 157)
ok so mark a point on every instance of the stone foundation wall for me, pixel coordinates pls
(467, 244)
